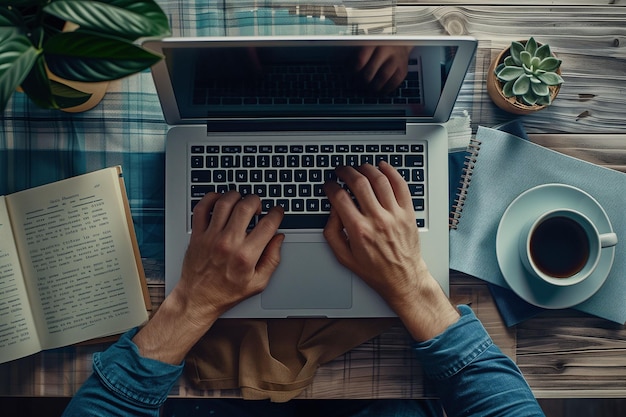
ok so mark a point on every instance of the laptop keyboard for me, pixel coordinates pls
(292, 176)
(301, 84)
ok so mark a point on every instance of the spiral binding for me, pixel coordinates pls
(466, 178)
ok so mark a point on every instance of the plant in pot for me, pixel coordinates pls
(55, 66)
(524, 77)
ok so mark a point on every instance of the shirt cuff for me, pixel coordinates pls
(459, 345)
(139, 380)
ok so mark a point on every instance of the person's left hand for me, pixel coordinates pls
(383, 68)
(224, 263)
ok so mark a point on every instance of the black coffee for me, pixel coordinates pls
(559, 247)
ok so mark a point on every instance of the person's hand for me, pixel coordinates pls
(224, 264)
(383, 68)
(379, 241)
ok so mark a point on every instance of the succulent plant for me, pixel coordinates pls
(528, 72)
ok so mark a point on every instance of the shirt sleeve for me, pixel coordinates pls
(124, 383)
(471, 375)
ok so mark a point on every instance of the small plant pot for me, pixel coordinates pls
(511, 104)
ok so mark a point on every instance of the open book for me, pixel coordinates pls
(70, 269)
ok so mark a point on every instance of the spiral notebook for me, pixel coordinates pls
(500, 166)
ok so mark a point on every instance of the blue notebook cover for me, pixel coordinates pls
(507, 165)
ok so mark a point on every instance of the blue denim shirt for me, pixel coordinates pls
(468, 372)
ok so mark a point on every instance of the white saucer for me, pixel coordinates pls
(529, 205)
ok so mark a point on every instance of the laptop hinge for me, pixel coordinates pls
(308, 125)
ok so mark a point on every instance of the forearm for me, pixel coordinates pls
(472, 376)
(174, 329)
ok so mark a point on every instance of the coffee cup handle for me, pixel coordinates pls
(608, 239)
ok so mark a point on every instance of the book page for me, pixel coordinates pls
(18, 335)
(78, 258)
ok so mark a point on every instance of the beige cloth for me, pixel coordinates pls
(273, 359)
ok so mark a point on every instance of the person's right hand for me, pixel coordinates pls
(379, 241)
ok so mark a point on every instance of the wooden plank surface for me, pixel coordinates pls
(591, 41)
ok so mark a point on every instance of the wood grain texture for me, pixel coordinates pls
(591, 41)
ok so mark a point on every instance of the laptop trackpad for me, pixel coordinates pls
(308, 277)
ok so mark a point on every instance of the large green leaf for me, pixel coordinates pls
(66, 96)
(128, 19)
(8, 17)
(87, 57)
(37, 85)
(17, 56)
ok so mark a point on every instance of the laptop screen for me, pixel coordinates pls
(226, 80)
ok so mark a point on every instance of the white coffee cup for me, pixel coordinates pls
(562, 247)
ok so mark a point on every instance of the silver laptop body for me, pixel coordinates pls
(309, 281)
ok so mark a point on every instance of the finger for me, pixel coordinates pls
(360, 187)
(380, 185)
(398, 184)
(383, 75)
(265, 229)
(222, 210)
(394, 81)
(374, 65)
(337, 240)
(270, 258)
(341, 202)
(242, 213)
(363, 56)
(202, 212)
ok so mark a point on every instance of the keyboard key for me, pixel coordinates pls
(202, 190)
(197, 149)
(212, 161)
(197, 161)
(231, 149)
(414, 160)
(201, 176)
(418, 204)
(304, 221)
(416, 190)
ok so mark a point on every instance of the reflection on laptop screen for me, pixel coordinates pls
(308, 81)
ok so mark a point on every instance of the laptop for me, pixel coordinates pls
(273, 116)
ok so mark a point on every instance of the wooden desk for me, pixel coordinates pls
(561, 353)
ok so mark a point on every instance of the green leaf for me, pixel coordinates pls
(8, 17)
(66, 96)
(534, 63)
(515, 50)
(531, 46)
(550, 64)
(37, 85)
(17, 57)
(540, 89)
(529, 98)
(544, 101)
(86, 57)
(128, 19)
(521, 86)
(507, 89)
(526, 58)
(510, 62)
(510, 73)
(543, 51)
(550, 78)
